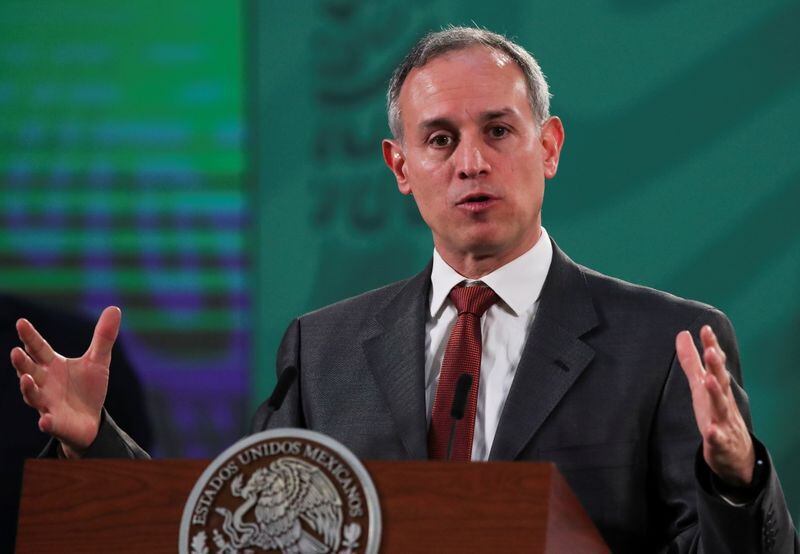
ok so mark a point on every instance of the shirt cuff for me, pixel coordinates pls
(738, 497)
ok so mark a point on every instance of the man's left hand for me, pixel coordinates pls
(727, 446)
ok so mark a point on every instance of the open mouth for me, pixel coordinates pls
(478, 198)
(477, 201)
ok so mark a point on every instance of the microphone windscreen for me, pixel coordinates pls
(463, 385)
(285, 381)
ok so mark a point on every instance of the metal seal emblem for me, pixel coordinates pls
(291, 491)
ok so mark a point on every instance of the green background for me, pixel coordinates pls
(680, 168)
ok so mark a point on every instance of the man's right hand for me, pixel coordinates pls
(68, 393)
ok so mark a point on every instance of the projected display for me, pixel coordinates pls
(121, 160)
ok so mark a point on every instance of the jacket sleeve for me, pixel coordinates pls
(111, 442)
(693, 516)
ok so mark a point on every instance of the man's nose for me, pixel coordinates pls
(471, 161)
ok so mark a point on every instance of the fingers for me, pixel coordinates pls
(709, 339)
(689, 359)
(33, 397)
(719, 400)
(708, 374)
(714, 357)
(716, 441)
(47, 424)
(31, 393)
(727, 447)
(715, 364)
(23, 363)
(105, 334)
(35, 345)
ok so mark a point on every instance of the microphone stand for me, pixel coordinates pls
(275, 401)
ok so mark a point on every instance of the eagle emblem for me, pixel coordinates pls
(288, 491)
(289, 506)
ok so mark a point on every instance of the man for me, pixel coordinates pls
(570, 365)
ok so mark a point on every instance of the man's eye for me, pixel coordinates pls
(498, 132)
(440, 141)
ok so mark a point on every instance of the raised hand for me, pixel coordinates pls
(727, 446)
(68, 393)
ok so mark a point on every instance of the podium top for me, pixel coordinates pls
(136, 506)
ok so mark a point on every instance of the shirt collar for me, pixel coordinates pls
(518, 283)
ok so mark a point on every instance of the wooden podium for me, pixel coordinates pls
(136, 506)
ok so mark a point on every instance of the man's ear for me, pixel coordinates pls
(396, 161)
(552, 139)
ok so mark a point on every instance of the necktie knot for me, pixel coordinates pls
(473, 300)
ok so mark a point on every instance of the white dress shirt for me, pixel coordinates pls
(504, 329)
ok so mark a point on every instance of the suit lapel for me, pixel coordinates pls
(395, 352)
(554, 356)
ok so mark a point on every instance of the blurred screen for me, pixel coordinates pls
(121, 163)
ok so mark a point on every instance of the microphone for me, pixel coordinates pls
(463, 385)
(275, 401)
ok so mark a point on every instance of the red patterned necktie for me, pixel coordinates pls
(462, 355)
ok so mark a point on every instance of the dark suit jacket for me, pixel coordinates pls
(598, 391)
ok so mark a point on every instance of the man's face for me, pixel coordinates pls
(471, 154)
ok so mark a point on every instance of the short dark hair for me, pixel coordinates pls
(437, 43)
